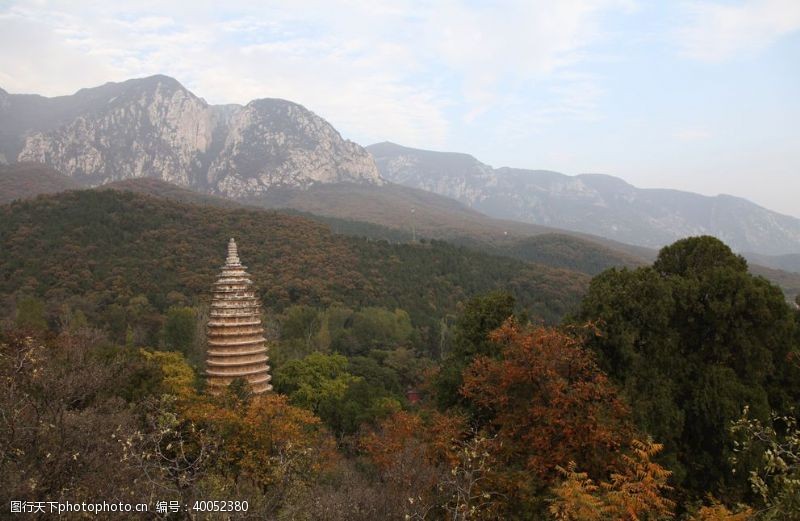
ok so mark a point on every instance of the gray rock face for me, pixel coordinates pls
(597, 204)
(458, 176)
(278, 143)
(154, 127)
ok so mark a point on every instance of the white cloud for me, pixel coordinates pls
(717, 32)
(397, 70)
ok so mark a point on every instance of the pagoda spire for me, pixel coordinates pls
(233, 254)
(236, 344)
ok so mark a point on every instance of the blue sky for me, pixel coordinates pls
(694, 95)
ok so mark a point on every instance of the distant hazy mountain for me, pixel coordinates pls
(597, 204)
(788, 262)
(154, 127)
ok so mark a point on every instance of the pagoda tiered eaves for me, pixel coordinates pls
(236, 344)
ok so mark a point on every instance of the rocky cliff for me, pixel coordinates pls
(154, 127)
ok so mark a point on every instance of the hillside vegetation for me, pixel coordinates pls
(98, 249)
(26, 180)
(669, 398)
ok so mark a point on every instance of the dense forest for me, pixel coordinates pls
(123, 259)
(411, 381)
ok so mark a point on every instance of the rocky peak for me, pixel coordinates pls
(274, 142)
(456, 175)
(155, 127)
(139, 128)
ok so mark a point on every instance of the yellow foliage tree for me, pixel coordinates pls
(716, 511)
(178, 376)
(634, 493)
(265, 440)
(576, 498)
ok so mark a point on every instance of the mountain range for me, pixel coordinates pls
(591, 203)
(275, 153)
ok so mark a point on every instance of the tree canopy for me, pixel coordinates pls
(691, 341)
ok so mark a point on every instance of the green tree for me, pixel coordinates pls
(691, 340)
(375, 373)
(179, 329)
(482, 315)
(323, 384)
(362, 403)
(314, 380)
(301, 323)
(30, 314)
(379, 328)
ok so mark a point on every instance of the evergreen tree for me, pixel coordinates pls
(691, 341)
(179, 329)
(482, 315)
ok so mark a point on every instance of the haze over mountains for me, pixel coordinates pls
(276, 153)
(591, 203)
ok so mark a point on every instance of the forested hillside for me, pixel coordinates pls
(387, 217)
(101, 251)
(26, 180)
(385, 212)
(668, 396)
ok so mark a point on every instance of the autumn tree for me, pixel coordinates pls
(197, 446)
(716, 511)
(636, 490)
(481, 315)
(64, 409)
(547, 401)
(418, 461)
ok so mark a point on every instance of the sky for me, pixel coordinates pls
(692, 95)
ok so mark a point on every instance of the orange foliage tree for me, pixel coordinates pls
(405, 440)
(547, 402)
(636, 491)
(264, 439)
(199, 446)
(422, 463)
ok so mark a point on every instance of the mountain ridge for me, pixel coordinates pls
(155, 127)
(598, 204)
